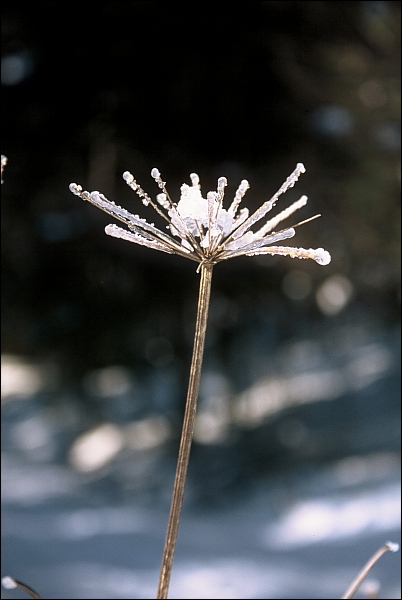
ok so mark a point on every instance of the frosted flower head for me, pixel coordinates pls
(201, 229)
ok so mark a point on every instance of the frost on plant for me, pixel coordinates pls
(201, 229)
(3, 165)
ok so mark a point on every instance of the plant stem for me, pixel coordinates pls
(9, 583)
(187, 431)
(356, 583)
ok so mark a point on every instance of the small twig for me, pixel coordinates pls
(187, 431)
(356, 583)
(9, 583)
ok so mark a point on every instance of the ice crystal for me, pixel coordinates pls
(201, 229)
(8, 583)
(4, 160)
(392, 546)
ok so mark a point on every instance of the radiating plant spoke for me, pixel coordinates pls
(201, 229)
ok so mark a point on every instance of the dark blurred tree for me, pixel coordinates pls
(244, 90)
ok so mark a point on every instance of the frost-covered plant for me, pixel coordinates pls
(202, 230)
(207, 232)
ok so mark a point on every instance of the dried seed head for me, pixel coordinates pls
(201, 228)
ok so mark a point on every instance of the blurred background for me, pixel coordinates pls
(294, 473)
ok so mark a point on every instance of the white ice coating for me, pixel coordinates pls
(162, 200)
(321, 256)
(269, 204)
(251, 241)
(112, 208)
(137, 224)
(284, 214)
(128, 178)
(394, 547)
(192, 209)
(8, 582)
(241, 218)
(222, 233)
(240, 242)
(119, 232)
(195, 180)
(75, 189)
(222, 183)
(240, 192)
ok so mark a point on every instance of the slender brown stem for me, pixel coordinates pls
(356, 583)
(9, 583)
(187, 431)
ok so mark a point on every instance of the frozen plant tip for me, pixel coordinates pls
(356, 583)
(4, 161)
(201, 229)
(9, 583)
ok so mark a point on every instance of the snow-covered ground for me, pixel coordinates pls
(292, 536)
(95, 528)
